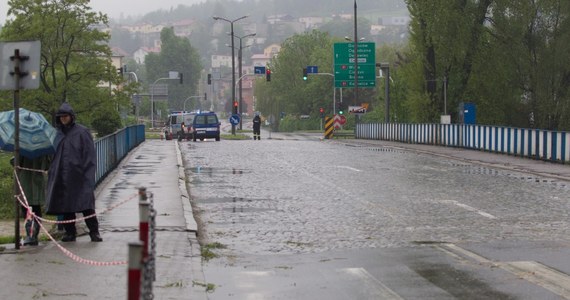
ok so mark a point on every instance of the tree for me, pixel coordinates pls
(287, 91)
(75, 56)
(177, 54)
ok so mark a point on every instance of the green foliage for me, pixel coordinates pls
(287, 91)
(75, 56)
(292, 123)
(177, 54)
(508, 57)
(6, 186)
(106, 121)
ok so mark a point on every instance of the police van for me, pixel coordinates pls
(179, 125)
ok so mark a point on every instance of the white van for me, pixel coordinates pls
(179, 125)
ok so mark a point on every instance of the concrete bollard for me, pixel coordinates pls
(134, 272)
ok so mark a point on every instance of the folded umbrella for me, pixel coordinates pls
(37, 136)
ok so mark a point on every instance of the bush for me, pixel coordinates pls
(6, 186)
(106, 122)
(293, 123)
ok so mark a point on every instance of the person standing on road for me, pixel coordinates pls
(71, 177)
(256, 127)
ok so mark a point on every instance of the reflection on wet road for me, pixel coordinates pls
(297, 196)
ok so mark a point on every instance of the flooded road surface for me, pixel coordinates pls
(294, 217)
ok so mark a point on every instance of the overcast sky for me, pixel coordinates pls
(114, 8)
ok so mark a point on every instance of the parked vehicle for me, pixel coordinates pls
(179, 125)
(206, 125)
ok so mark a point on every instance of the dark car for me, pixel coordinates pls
(206, 126)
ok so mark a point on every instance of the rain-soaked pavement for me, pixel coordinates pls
(298, 217)
(303, 218)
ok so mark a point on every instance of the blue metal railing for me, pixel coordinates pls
(111, 149)
(541, 144)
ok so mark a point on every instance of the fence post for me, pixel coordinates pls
(144, 215)
(134, 272)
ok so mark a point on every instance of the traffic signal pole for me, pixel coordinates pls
(334, 89)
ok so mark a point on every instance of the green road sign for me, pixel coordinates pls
(344, 64)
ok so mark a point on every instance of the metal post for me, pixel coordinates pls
(144, 215)
(240, 85)
(233, 76)
(152, 106)
(233, 64)
(355, 57)
(445, 95)
(134, 271)
(17, 74)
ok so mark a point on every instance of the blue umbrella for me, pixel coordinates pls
(37, 136)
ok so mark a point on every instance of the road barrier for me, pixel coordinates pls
(112, 148)
(553, 146)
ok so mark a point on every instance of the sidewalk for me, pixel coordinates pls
(47, 272)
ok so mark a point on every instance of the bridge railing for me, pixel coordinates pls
(111, 149)
(541, 144)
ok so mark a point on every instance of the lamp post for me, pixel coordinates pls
(233, 60)
(240, 74)
(184, 107)
(172, 75)
(355, 57)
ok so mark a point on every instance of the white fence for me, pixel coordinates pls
(532, 143)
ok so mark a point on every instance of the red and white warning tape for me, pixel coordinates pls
(24, 202)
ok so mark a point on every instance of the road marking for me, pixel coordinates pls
(470, 208)
(375, 286)
(532, 271)
(537, 273)
(349, 168)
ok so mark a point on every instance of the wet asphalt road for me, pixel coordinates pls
(308, 219)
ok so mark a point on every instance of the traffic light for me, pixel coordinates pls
(181, 77)
(235, 104)
(268, 75)
(304, 73)
(322, 111)
(209, 79)
(339, 108)
(205, 97)
(120, 71)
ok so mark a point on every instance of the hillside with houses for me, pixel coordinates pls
(260, 33)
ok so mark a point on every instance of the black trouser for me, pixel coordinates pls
(37, 209)
(256, 133)
(91, 223)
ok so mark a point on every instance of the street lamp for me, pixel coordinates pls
(233, 60)
(184, 107)
(172, 75)
(240, 74)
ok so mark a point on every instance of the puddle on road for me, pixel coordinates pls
(459, 283)
(208, 170)
(480, 170)
(240, 205)
(227, 200)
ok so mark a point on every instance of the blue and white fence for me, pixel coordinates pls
(532, 143)
(111, 149)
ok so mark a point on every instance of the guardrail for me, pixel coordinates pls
(541, 144)
(111, 149)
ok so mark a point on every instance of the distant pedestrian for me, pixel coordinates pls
(71, 181)
(256, 127)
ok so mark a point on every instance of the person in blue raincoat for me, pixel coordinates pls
(71, 176)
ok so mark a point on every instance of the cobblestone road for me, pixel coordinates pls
(304, 196)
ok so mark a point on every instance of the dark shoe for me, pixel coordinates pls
(30, 241)
(95, 237)
(68, 237)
